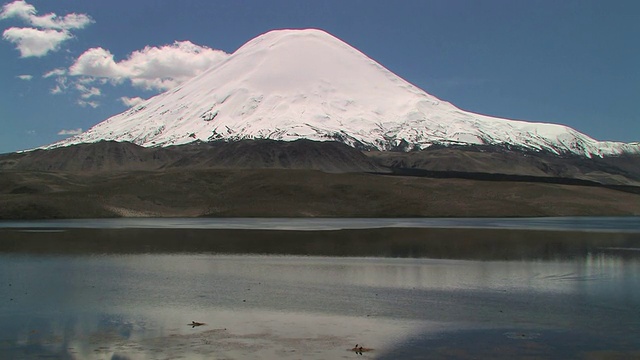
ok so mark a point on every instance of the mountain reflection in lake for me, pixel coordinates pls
(131, 293)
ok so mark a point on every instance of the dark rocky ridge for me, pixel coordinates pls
(489, 162)
(495, 161)
(305, 178)
(109, 156)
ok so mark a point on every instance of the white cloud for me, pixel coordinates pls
(89, 80)
(68, 22)
(27, 12)
(47, 32)
(25, 77)
(19, 9)
(34, 42)
(88, 92)
(99, 63)
(55, 72)
(83, 86)
(129, 102)
(70, 132)
(61, 85)
(84, 103)
(152, 68)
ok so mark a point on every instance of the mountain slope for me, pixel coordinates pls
(110, 156)
(293, 84)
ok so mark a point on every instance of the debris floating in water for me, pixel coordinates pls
(195, 323)
(358, 349)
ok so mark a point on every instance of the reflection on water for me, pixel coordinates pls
(139, 305)
(312, 289)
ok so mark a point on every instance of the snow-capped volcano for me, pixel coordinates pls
(292, 84)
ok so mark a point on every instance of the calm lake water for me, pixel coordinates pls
(300, 289)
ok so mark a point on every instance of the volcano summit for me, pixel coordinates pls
(307, 84)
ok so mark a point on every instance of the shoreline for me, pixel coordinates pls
(391, 242)
(629, 223)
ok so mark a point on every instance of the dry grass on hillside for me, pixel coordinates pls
(293, 193)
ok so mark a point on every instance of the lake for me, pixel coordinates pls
(555, 288)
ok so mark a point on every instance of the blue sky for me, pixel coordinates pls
(66, 65)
